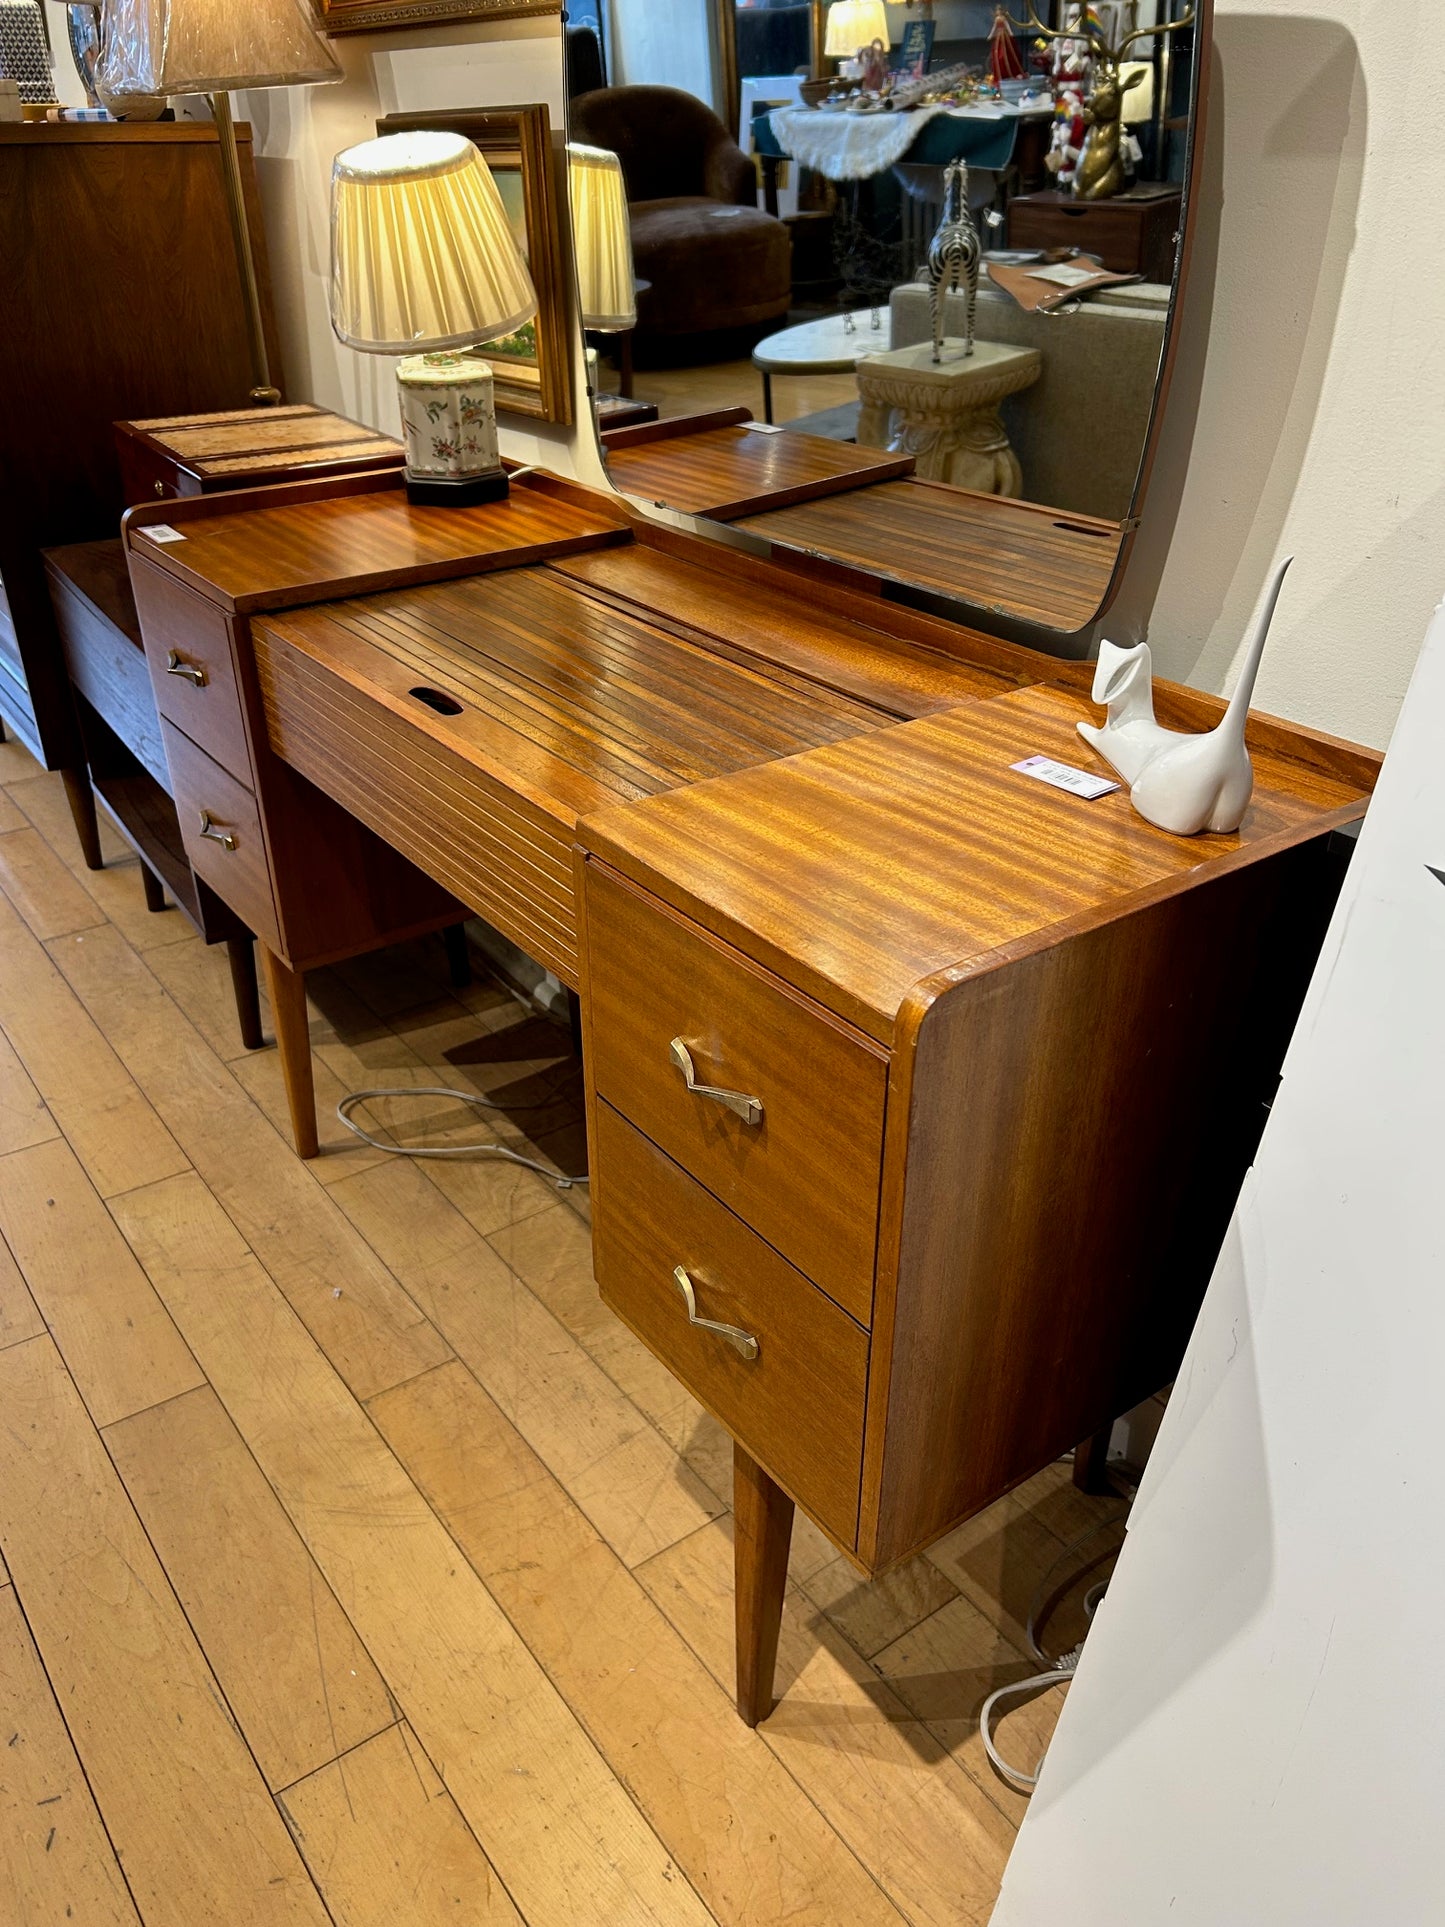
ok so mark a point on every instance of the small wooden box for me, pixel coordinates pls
(1135, 233)
(180, 455)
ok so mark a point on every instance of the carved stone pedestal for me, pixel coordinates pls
(945, 414)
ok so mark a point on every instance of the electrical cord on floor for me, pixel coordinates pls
(353, 1098)
(1060, 1671)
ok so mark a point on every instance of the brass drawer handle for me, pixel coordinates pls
(749, 1109)
(208, 829)
(176, 665)
(744, 1341)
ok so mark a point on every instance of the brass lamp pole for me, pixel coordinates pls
(263, 393)
(167, 47)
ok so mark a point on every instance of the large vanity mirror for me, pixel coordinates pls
(784, 186)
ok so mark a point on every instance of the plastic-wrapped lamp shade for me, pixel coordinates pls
(422, 254)
(853, 24)
(602, 238)
(211, 46)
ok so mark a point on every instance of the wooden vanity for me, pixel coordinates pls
(919, 1092)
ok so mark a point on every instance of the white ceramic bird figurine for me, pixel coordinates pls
(1179, 782)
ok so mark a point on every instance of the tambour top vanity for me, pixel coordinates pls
(919, 1092)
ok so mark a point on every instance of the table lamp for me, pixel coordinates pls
(601, 240)
(209, 47)
(853, 24)
(423, 264)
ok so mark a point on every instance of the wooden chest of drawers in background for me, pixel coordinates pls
(1134, 233)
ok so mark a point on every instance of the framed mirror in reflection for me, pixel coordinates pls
(906, 301)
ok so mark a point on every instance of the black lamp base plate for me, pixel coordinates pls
(433, 492)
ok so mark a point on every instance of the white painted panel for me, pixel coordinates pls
(1256, 1737)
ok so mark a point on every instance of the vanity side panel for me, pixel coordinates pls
(1057, 1184)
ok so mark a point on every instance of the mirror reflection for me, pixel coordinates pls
(888, 285)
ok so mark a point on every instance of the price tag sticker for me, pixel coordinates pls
(1063, 776)
(163, 532)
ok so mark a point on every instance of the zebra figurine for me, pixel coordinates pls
(953, 254)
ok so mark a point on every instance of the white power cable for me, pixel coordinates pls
(1060, 1671)
(1059, 1674)
(353, 1098)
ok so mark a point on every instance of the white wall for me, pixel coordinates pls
(1312, 349)
(1256, 1735)
(663, 43)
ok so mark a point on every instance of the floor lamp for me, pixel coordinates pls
(210, 47)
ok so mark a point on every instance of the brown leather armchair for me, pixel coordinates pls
(714, 259)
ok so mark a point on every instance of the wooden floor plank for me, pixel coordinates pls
(931, 1838)
(40, 887)
(24, 1119)
(56, 1864)
(94, 1100)
(19, 1314)
(12, 817)
(945, 1667)
(117, 889)
(752, 1843)
(611, 1460)
(298, 1679)
(873, 1613)
(552, 1818)
(387, 1846)
(367, 1325)
(183, 1802)
(113, 1332)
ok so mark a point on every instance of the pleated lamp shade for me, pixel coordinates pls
(853, 24)
(422, 254)
(602, 238)
(211, 46)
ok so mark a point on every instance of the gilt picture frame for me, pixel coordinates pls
(382, 16)
(532, 370)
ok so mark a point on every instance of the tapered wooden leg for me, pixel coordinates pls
(287, 990)
(459, 962)
(81, 798)
(1091, 1462)
(153, 887)
(763, 1519)
(242, 954)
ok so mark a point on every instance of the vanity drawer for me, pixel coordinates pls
(193, 672)
(797, 1406)
(806, 1175)
(232, 858)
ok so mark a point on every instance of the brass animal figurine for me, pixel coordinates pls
(1100, 173)
(953, 255)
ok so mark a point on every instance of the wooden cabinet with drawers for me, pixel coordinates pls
(978, 1069)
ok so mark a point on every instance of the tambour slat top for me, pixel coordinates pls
(995, 552)
(282, 554)
(859, 869)
(568, 699)
(773, 623)
(725, 472)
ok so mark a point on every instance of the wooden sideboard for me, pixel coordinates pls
(122, 298)
(919, 1093)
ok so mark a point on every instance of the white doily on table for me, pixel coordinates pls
(849, 147)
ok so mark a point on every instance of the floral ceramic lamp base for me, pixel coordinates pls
(449, 426)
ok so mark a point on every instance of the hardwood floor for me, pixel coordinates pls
(358, 1565)
(732, 384)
